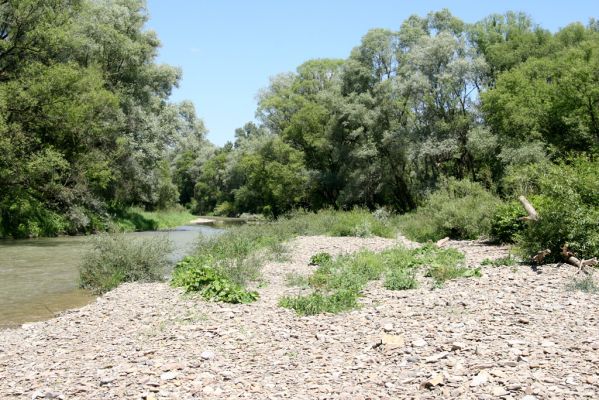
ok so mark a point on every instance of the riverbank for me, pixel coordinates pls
(512, 333)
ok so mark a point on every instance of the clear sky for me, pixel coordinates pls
(228, 49)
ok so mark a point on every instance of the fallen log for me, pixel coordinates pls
(532, 213)
(581, 264)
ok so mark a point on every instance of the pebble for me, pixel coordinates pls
(510, 334)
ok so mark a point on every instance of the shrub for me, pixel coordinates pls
(320, 258)
(506, 223)
(338, 283)
(566, 197)
(586, 284)
(115, 258)
(401, 279)
(197, 275)
(318, 303)
(459, 209)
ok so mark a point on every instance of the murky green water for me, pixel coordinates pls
(39, 277)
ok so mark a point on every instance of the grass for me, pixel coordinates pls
(136, 219)
(293, 279)
(114, 258)
(586, 284)
(239, 252)
(338, 283)
(508, 261)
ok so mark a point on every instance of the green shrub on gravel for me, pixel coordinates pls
(585, 284)
(401, 279)
(238, 253)
(566, 197)
(115, 258)
(197, 275)
(320, 258)
(338, 283)
(458, 209)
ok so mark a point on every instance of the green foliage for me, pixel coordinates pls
(296, 280)
(586, 284)
(320, 258)
(338, 283)
(507, 223)
(401, 279)
(196, 274)
(565, 197)
(318, 303)
(114, 259)
(508, 261)
(459, 209)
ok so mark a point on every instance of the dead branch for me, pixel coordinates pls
(541, 256)
(532, 213)
(581, 264)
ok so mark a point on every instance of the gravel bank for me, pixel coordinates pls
(515, 333)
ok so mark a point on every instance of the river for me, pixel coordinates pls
(39, 277)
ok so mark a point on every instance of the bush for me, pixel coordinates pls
(566, 197)
(506, 223)
(459, 209)
(320, 258)
(401, 279)
(115, 258)
(197, 275)
(338, 283)
(318, 303)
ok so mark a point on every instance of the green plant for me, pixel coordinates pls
(318, 303)
(401, 279)
(338, 283)
(197, 275)
(507, 222)
(566, 198)
(508, 261)
(296, 280)
(320, 258)
(114, 258)
(458, 209)
(586, 284)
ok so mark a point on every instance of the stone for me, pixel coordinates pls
(436, 357)
(434, 381)
(480, 379)
(499, 391)
(392, 341)
(419, 343)
(388, 327)
(207, 355)
(168, 376)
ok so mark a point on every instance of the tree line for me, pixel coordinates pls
(437, 99)
(86, 127)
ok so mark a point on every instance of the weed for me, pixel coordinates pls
(294, 279)
(318, 303)
(197, 275)
(586, 284)
(401, 279)
(114, 258)
(508, 261)
(320, 258)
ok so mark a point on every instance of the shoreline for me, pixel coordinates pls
(511, 333)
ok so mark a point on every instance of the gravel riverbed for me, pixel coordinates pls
(514, 333)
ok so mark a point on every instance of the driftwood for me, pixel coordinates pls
(581, 264)
(568, 256)
(532, 213)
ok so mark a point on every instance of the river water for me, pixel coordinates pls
(39, 277)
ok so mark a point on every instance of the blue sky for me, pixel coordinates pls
(228, 49)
